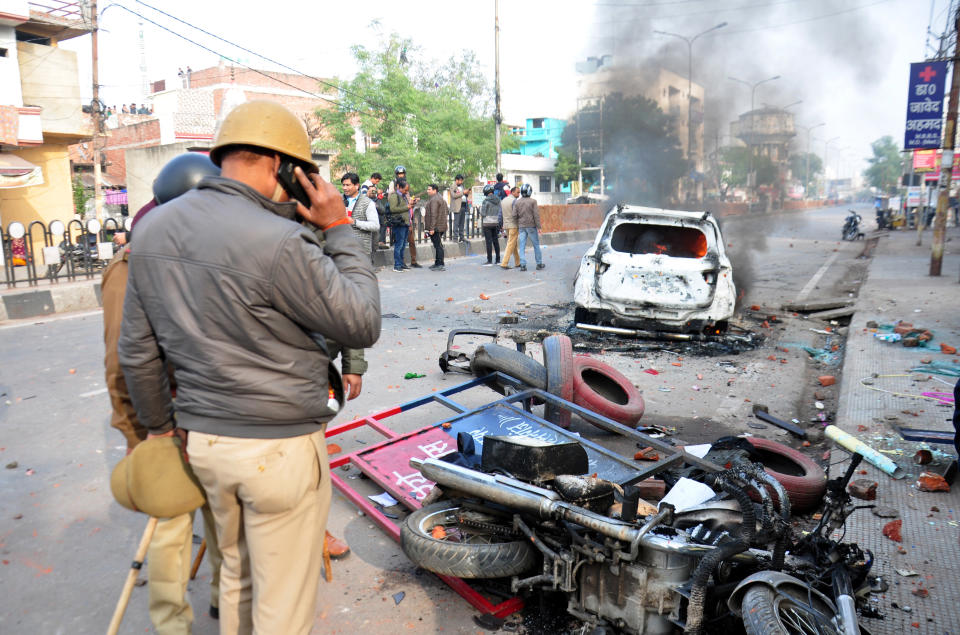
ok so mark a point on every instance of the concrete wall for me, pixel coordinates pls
(49, 78)
(562, 218)
(47, 202)
(10, 94)
(143, 165)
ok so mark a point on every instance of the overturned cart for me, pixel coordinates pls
(547, 511)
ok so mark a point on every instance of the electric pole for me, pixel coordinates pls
(497, 119)
(97, 119)
(946, 162)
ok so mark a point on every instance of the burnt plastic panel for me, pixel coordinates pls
(531, 459)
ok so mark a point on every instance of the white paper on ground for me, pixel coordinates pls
(385, 500)
(698, 451)
(687, 493)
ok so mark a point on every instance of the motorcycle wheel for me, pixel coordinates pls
(485, 548)
(784, 611)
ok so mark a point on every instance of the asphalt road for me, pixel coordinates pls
(65, 546)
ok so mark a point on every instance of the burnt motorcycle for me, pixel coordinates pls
(524, 511)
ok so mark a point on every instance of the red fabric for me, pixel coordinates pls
(142, 212)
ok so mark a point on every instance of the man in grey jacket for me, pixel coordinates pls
(232, 291)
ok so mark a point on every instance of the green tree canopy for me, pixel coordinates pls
(435, 120)
(886, 165)
(732, 168)
(798, 166)
(641, 155)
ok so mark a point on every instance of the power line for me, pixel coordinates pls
(263, 57)
(233, 61)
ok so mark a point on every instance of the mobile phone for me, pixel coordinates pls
(290, 183)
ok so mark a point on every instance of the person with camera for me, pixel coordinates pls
(400, 203)
(230, 289)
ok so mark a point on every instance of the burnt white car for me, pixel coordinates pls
(656, 269)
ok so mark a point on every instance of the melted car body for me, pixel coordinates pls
(656, 268)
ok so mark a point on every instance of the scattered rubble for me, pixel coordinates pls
(864, 489)
(892, 530)
(930, 482)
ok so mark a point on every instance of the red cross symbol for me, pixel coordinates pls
(927, 74)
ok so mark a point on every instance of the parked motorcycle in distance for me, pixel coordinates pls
(851, 226)
(79, 259)
(728, 563)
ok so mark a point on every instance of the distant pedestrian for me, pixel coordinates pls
(362, 212)
(510, 225)
(528, 224)
(435, 223)
(490, 221)
(399, 217)
(125, 110)
(458, 203)
(501, 187)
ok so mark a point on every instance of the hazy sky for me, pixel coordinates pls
(848, 60)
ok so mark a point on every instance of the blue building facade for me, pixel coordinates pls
(540, 137)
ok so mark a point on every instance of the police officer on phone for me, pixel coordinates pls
(231, 289)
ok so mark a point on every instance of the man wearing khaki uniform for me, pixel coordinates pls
(169, 554)
(510, 224)
(233, 291)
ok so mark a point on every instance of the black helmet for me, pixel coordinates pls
(399, 170)
(487, 190)
(182, 173)
(526, 190)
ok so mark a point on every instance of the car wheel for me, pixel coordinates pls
(804, 480)
(606, 391)
(558, 360)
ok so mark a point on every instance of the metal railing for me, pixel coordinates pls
(77, 249)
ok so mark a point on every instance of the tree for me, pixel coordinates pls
(80, 197)
(886, 165)
(733, 167)
(798, 166)
(642, 158)
(434, 120)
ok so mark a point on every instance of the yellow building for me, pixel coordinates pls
(41, 112)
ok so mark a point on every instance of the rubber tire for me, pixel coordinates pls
(558, 360)
(492, 357)
(462, 560)
(591, 376)
(805, 491)
(759, 612)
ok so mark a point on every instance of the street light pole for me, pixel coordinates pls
(826, 151)
(496, 80)
(753, 92)
(806, 176)
(690, 41)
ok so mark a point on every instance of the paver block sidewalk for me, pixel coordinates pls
(898, 287)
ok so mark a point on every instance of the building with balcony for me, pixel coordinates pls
(766, 131)
(41, 112)
(540, 137)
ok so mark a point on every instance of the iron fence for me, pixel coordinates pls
(82, 249)
(57, 251)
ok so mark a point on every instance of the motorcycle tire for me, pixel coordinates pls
(489, 358)
(784, 611)
(558, 361)
(487, 550)
(804, 481)
(606, 391)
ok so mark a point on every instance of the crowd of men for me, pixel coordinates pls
(511, 213)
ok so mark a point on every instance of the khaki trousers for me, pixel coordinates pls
(270, 499)
(168, 571)
(511, 249)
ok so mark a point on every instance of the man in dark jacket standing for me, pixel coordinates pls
(400, 204)
(528, 226)
(435, 224)
(231, 290)
(458, 203)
